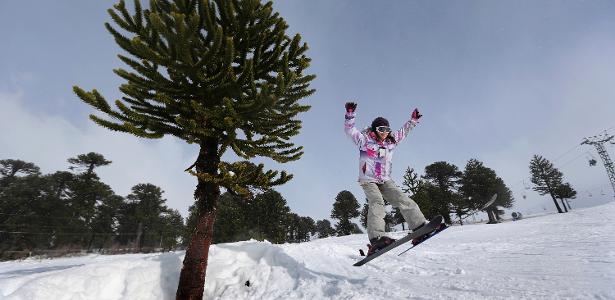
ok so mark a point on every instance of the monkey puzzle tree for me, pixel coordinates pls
(545, 177)
(565, 191)
(218, 74)
(344, 209)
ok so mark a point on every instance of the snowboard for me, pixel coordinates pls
(428, 228)
(438, 230)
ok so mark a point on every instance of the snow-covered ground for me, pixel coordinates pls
(559, 256)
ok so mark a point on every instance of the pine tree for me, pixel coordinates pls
(412, 185)
(21, 202)
(505, 197)
(149, 207)
(545, 177)
(230, 220)
(412, 182)
(172, 229)
(88, 162)
(307, 228)
(324, 229)
(419, 190)
(444, 179)
(87, 192)
(477, 186)
(300, 228)
(292, 227)
(268, 214)
(364, 212)
(59, 213)
(9, 168)
(356, 229)
(104, 221)
(344, 209)
(565, 191)
(218, 74)
(190, 225)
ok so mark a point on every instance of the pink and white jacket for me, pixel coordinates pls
(375, 157)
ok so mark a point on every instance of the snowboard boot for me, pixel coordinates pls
(378, 243)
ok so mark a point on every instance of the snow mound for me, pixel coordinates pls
(558, 256)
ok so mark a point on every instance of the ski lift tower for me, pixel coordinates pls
(598, 142)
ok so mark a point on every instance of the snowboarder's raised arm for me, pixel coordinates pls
(409, 125)
(357, 137)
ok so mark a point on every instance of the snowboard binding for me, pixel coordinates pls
(425, 237)
(377, 244)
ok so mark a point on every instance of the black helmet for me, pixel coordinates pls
(380, 121)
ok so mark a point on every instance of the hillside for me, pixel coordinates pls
(558, 256)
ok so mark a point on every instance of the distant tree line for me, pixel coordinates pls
(74, 210)
(265, 216)
(69, 210)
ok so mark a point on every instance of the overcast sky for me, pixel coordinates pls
(498, 81)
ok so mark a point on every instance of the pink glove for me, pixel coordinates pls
(416, 115)
(350, 106)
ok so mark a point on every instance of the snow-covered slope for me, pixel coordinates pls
(560, 256)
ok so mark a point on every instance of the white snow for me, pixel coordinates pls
(558, 256)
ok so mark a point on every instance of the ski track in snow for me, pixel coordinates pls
(558, 256)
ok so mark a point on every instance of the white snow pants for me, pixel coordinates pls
(376, 193)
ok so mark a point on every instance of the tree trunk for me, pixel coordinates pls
(460, 216)
(568, 202)
(192, 277)
(91, 242)
(492, 220)
(564, 205)
(559, 210)
(137, 243)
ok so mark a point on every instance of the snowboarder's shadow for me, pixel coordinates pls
(170, 267)
(18, 273)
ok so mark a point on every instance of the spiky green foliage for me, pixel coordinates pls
(10, 167)
(144, 215)
(202, 70)
(231, 221)
(545, 177)
(244, 177)
(88, 162)
(268, 214)
(412, 182)
(565, 191)
(442, 183)
(479, 183)
(324, 229)
(345, 208)
(299, 229)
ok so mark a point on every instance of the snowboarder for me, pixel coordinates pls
(376, 145)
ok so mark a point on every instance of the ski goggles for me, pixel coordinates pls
(383, 129)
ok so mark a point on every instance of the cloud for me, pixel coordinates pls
(48, 141)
